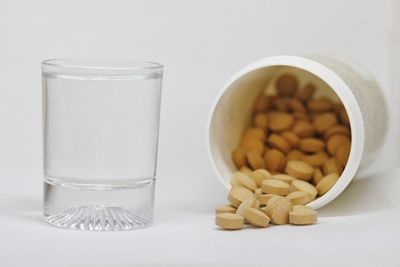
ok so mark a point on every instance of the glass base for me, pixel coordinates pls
(125, 208)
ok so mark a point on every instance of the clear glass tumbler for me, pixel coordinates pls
(100, 133)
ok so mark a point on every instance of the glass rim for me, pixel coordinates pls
(101, 64)
(74, 67)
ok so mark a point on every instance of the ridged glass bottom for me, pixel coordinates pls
(97, 219)
(99, 210)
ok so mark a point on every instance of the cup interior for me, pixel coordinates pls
(232, 112)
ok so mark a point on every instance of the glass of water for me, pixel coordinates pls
(100, 132)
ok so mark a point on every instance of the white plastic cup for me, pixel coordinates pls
(359, 93)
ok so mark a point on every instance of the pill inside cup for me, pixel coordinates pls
(300, 113)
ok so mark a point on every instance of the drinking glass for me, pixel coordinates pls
(100, 134)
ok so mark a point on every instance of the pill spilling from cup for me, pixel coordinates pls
(286, 138)
(294, 151)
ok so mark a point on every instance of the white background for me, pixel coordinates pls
(201, 43)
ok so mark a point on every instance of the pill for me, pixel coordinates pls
(344, 119)
(261, 121)
(225, 209)
(263, 209)
(278, 142)
(326, 183)
(298, 197)
(242, 179)
(246, 170)
(337, 129)
(295, 155)
(303, 216)
(257, 192)
(283, 177)
(247, 203)
(280, 104)
(332, 165)
(237, 194)
(320, 105)
(291, 138)
(311, 145)
(256, 217)
(303, 129)
(307, 92)
(335, 141)
(286, 85)
(299, 169)
(342, 153)
(274, 160)
(254, 134)
(256, 204)
(257, 178)
(295, 207)
(325, 121)
(264, 198)
(296, 105)
(278, 209)
(255, 160)
(299, 185)
(247, 145)
(317, 175)
(277, 187)
(280, 121)
(299, 116)
(229, 221)
(239, 158)
(262, 104)
(260, 175)
(316, 159)
(294, 142)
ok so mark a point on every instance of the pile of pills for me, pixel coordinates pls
(295, 151)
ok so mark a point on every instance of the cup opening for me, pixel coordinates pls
(231, 114)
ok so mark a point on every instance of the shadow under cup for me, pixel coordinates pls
(100, 134)
(361, 97)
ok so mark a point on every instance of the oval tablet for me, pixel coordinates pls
(324, 121)
(229, 221)
(225, 209)
(311, 145)
(237, 194)
(280, 121)
(256, 217)
(299, 185)
(286, 85)
(301, 216)
(278, 142)
(303, 129)
(299, 169)
(307, 92)
(298, 198)
(278, 209)
(274, 159)
(326, 183)
(335, 141)
(261, 121)
(239, 158)
(255, 160)
(276, 187)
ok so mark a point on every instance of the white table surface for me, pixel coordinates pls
(360, 228)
